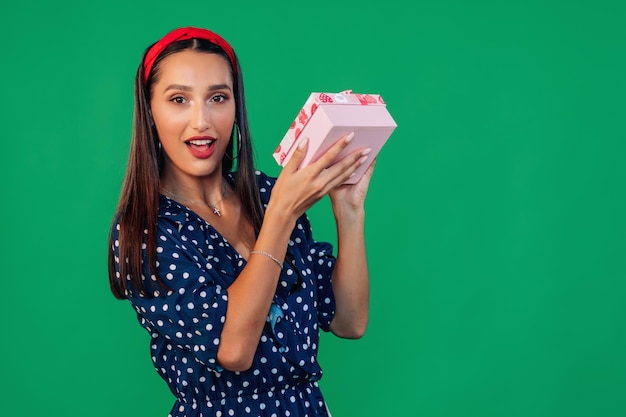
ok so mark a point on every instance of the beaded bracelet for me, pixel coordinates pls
(269, 255)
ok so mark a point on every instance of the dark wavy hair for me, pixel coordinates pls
(137, 210)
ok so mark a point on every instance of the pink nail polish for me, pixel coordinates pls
(302, 143)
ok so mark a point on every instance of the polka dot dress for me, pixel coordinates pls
(185, 324)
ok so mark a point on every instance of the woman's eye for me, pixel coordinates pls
(218, 98)
(178, 100)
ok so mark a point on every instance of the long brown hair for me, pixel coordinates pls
(137, 211)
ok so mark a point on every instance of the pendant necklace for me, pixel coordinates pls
(214, 207)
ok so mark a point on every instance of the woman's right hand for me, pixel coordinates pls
(297, 189)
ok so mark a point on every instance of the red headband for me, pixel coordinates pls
(182, 34)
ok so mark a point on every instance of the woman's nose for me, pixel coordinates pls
(201, 120)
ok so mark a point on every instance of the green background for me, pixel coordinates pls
(496, 223)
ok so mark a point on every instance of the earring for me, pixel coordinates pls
(232, 158)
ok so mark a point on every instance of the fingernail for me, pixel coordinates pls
(352, 175)
(363, 159)
(302, 143)
(366, 151)
(349, 137)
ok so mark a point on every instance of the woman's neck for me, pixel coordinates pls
(208, 190)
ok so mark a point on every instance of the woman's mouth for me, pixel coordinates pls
(201, 148)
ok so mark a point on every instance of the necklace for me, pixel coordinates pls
(214, 207)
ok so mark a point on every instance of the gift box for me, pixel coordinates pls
(325, 117)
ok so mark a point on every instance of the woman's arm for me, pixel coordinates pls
(250, 296)
(351, 275)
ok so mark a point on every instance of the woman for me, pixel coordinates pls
(218, 259)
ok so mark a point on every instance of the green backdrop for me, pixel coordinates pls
(496, 218)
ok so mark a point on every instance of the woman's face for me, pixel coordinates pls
(193, 107)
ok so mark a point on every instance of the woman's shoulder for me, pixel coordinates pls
(266, 183)
(174, 217)
(169, 208)
(262, 177)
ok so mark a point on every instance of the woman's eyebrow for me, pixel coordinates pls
(220, 87)
(177, 87)
(188, 88)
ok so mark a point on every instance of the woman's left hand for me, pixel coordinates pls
(352, 196)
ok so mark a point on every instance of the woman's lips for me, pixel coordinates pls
(201, 148)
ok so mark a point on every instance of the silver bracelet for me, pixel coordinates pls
(269, 255)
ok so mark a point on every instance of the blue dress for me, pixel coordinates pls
(185, 324)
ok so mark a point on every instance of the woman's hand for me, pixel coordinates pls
(297, 189)
(352, 196)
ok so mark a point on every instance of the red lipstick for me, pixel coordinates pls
(201, 147)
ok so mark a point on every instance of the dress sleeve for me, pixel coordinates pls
(323, 263)
(192, 313)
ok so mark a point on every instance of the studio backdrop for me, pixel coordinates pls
(496, 229)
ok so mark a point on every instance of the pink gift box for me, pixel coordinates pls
(325, 117)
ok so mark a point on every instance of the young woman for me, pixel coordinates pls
(218, 259)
